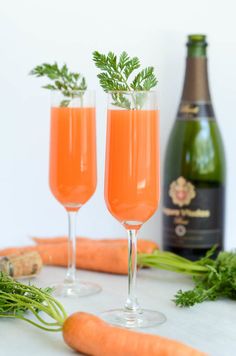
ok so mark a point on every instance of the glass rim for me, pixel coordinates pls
(132, 91)
(79, 98)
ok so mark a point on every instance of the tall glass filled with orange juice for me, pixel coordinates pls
(72, 175)
(132, 185)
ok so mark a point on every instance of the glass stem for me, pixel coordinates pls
(132, 302)
(70, 275)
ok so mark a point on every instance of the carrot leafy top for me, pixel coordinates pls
(119, 74)
(62, 80)
(16, 299)
(213, 278)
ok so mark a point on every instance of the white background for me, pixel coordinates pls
(32, 32)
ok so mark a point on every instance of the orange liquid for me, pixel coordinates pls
(132, 164)
(72, 155)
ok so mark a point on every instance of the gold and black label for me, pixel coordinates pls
(192, 215)
(195, 111)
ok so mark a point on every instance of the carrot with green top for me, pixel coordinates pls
(82, 332)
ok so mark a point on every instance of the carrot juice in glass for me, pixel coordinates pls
(73, 175)
(132, 187)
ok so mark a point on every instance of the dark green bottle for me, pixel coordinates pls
(194, 172)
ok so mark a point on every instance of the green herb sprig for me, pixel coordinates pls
(62, 80)
(213, 278)
(118, 75)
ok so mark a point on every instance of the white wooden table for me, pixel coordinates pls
(209, 327)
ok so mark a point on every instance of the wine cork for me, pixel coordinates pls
(21, 264)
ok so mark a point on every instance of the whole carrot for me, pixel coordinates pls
(104, 255)
(90, 335)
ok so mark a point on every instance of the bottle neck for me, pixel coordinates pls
(196, 87)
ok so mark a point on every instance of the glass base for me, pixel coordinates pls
(75, 289)
(130, 319)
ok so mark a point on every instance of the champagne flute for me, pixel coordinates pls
(132, 185)
(72, 174)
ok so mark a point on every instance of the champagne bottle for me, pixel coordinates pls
(194, 172)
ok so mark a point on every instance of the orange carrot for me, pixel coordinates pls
(90, 335)
(96, 255)
(142, 244)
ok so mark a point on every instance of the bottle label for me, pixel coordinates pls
(193, 216)
(195, 111)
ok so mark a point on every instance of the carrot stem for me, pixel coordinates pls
(29, 321)
(42, 320)
(171, 262)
